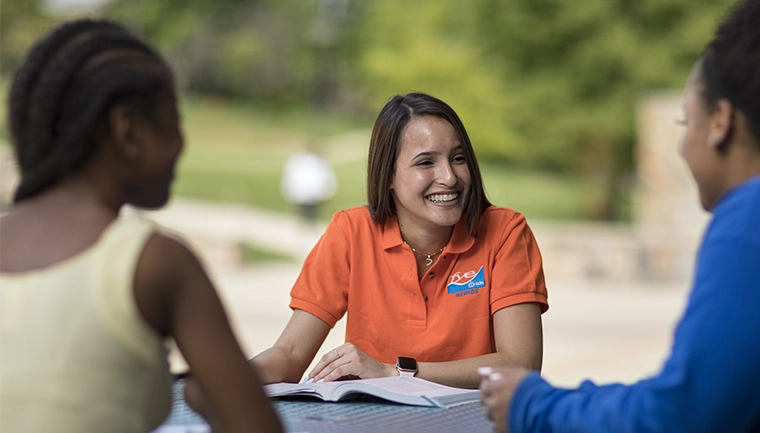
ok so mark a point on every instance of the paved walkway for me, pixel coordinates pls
(608, 331)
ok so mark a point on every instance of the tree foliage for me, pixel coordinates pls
(578, 70)
(580, 67)
(242, 49)
(21, 23)
(430, 47)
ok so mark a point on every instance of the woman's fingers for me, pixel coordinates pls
(344, 361)
(497, 386)
(323, 367)
(331, 360)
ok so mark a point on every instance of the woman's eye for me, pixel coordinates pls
(425, 163)
(459, 159)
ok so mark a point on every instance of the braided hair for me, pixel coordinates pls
(731, 64)
(61, 96)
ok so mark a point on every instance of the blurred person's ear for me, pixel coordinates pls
(125, 127)
(721, 123)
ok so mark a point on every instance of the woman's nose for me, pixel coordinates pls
(446, 175)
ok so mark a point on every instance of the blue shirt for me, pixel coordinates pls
(711, 382)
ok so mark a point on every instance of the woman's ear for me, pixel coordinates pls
(125, 131)
(721, 124)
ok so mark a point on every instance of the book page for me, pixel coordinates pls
(413, 390)
(406, 390)
(322, 390)
(416, 386)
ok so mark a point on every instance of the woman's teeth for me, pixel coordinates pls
(443, 198)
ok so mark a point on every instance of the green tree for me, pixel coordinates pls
(547, 84)
(578, 69)
(21, 23)
(429, 46)
(235, 48)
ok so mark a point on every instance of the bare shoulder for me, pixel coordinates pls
(165, 271)
(166, 252)
(167, 262)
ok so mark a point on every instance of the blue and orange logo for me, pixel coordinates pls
(467, 283)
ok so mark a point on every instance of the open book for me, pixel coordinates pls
(405, 390)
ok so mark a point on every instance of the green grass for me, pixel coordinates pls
(542, 195)
(255, 255)
(236, 153)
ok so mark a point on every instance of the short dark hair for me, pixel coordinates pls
(62, 93)
(384, 148)
(731, 64)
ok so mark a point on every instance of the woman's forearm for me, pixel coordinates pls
(463, 373)
(274, 365)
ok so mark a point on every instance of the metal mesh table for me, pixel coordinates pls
(308, 415)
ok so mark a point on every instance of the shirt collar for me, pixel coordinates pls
(460, 241)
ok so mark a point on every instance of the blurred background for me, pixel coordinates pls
(570, 107)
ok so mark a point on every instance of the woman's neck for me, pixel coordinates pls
(425, 240)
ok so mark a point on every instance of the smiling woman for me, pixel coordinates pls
(428, 270)
(432, 181)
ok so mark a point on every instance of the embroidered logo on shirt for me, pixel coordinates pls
(467, 283)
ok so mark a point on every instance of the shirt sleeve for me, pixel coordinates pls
(517, 272)
(709, 383)
(322, 286)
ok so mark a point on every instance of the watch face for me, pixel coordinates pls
(406, 363)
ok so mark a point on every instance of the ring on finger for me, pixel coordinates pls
(337, 355)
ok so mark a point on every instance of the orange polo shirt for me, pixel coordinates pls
(366, 270)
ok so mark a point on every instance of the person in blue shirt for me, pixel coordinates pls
(711, 381)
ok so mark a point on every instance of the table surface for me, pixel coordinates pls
(309, 415)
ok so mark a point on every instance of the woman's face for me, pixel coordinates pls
(700, 155)
(164, 144)
(431, 183)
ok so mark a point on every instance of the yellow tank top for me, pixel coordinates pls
(75, 354)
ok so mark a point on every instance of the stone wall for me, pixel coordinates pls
(662, 240)
(669, 220)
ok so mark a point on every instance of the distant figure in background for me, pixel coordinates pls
(88, 298)
(308, 181)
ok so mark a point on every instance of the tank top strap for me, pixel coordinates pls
(117, 255)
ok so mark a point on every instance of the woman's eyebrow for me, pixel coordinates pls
(426, 153)
(433, 153)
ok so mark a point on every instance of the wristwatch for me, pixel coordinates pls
(406, 366)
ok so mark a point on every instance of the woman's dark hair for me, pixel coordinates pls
(384, 148)
(731, 63)
(62, 94)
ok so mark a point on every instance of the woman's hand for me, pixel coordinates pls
(348, 361)
(497, 387)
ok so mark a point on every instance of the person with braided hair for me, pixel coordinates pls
(89, 296)
(711, 381)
